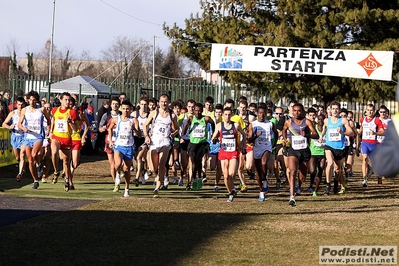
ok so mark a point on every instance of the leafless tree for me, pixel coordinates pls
(127, 56)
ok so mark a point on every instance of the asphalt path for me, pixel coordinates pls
(16, 209)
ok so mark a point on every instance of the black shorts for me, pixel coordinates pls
(176, 144)
(277, 148)
(302, 155)
(184, 145)
(318, 157)
(337, 154)
(194, 149)
(349, 150)
(138, 142)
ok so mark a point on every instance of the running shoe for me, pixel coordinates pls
(204, 180)
(35, 185)
(146, 176)
(261, 196)
(281, 174)
(116, 188)
(149, 173)
(278, 185)
(230, 198)
(310, 189)
(136, 182)
(72, 187)
(177, 165)
(126, 194)
(39, 170)
(265, 186)
(66, 184)
(181, 182)
(379, 180)
(55, 177)
(328, 190)
(314, 194)
(19, 177)
(165, 182)
(342, 191)
(292, 202)
(188, 187)
(194, 185)
(243, 188)
(216, 189)
(234, 192)
(44, 179)
(121, 173)
(156, 193)
(364, 183)
(174, 182)
(297, 191)
(117, 178)
(143, 180)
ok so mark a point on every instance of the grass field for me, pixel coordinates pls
(192, 228)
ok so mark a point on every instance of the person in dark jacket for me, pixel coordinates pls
(105, 108)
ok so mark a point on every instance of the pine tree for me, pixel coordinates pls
(171, 67)
(30, 65)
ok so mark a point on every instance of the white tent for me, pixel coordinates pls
(85, 86)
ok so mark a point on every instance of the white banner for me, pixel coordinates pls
(362, 64)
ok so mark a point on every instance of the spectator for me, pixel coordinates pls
(87, 149)
(6, 100)
(105, 108)
(3, 114)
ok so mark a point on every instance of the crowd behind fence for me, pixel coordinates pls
(186, 89)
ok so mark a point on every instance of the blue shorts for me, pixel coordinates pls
(367, 148)
(17, 141)
(214, 148)
(126, 151)
(30, 142)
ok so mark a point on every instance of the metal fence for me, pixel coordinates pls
(186, 89)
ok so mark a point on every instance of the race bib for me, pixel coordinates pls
(160, 130)
(264, 138)
(367, 134)
(124, 139)
(317, 143)
(198, 132)
(61, 126)
(229, 145)
(299, 142)
(334, 135)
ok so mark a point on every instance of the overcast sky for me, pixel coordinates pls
(89, 25)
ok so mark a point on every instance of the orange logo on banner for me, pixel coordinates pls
(369, 64)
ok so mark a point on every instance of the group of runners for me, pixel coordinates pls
(164, 137)
(45, 134)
